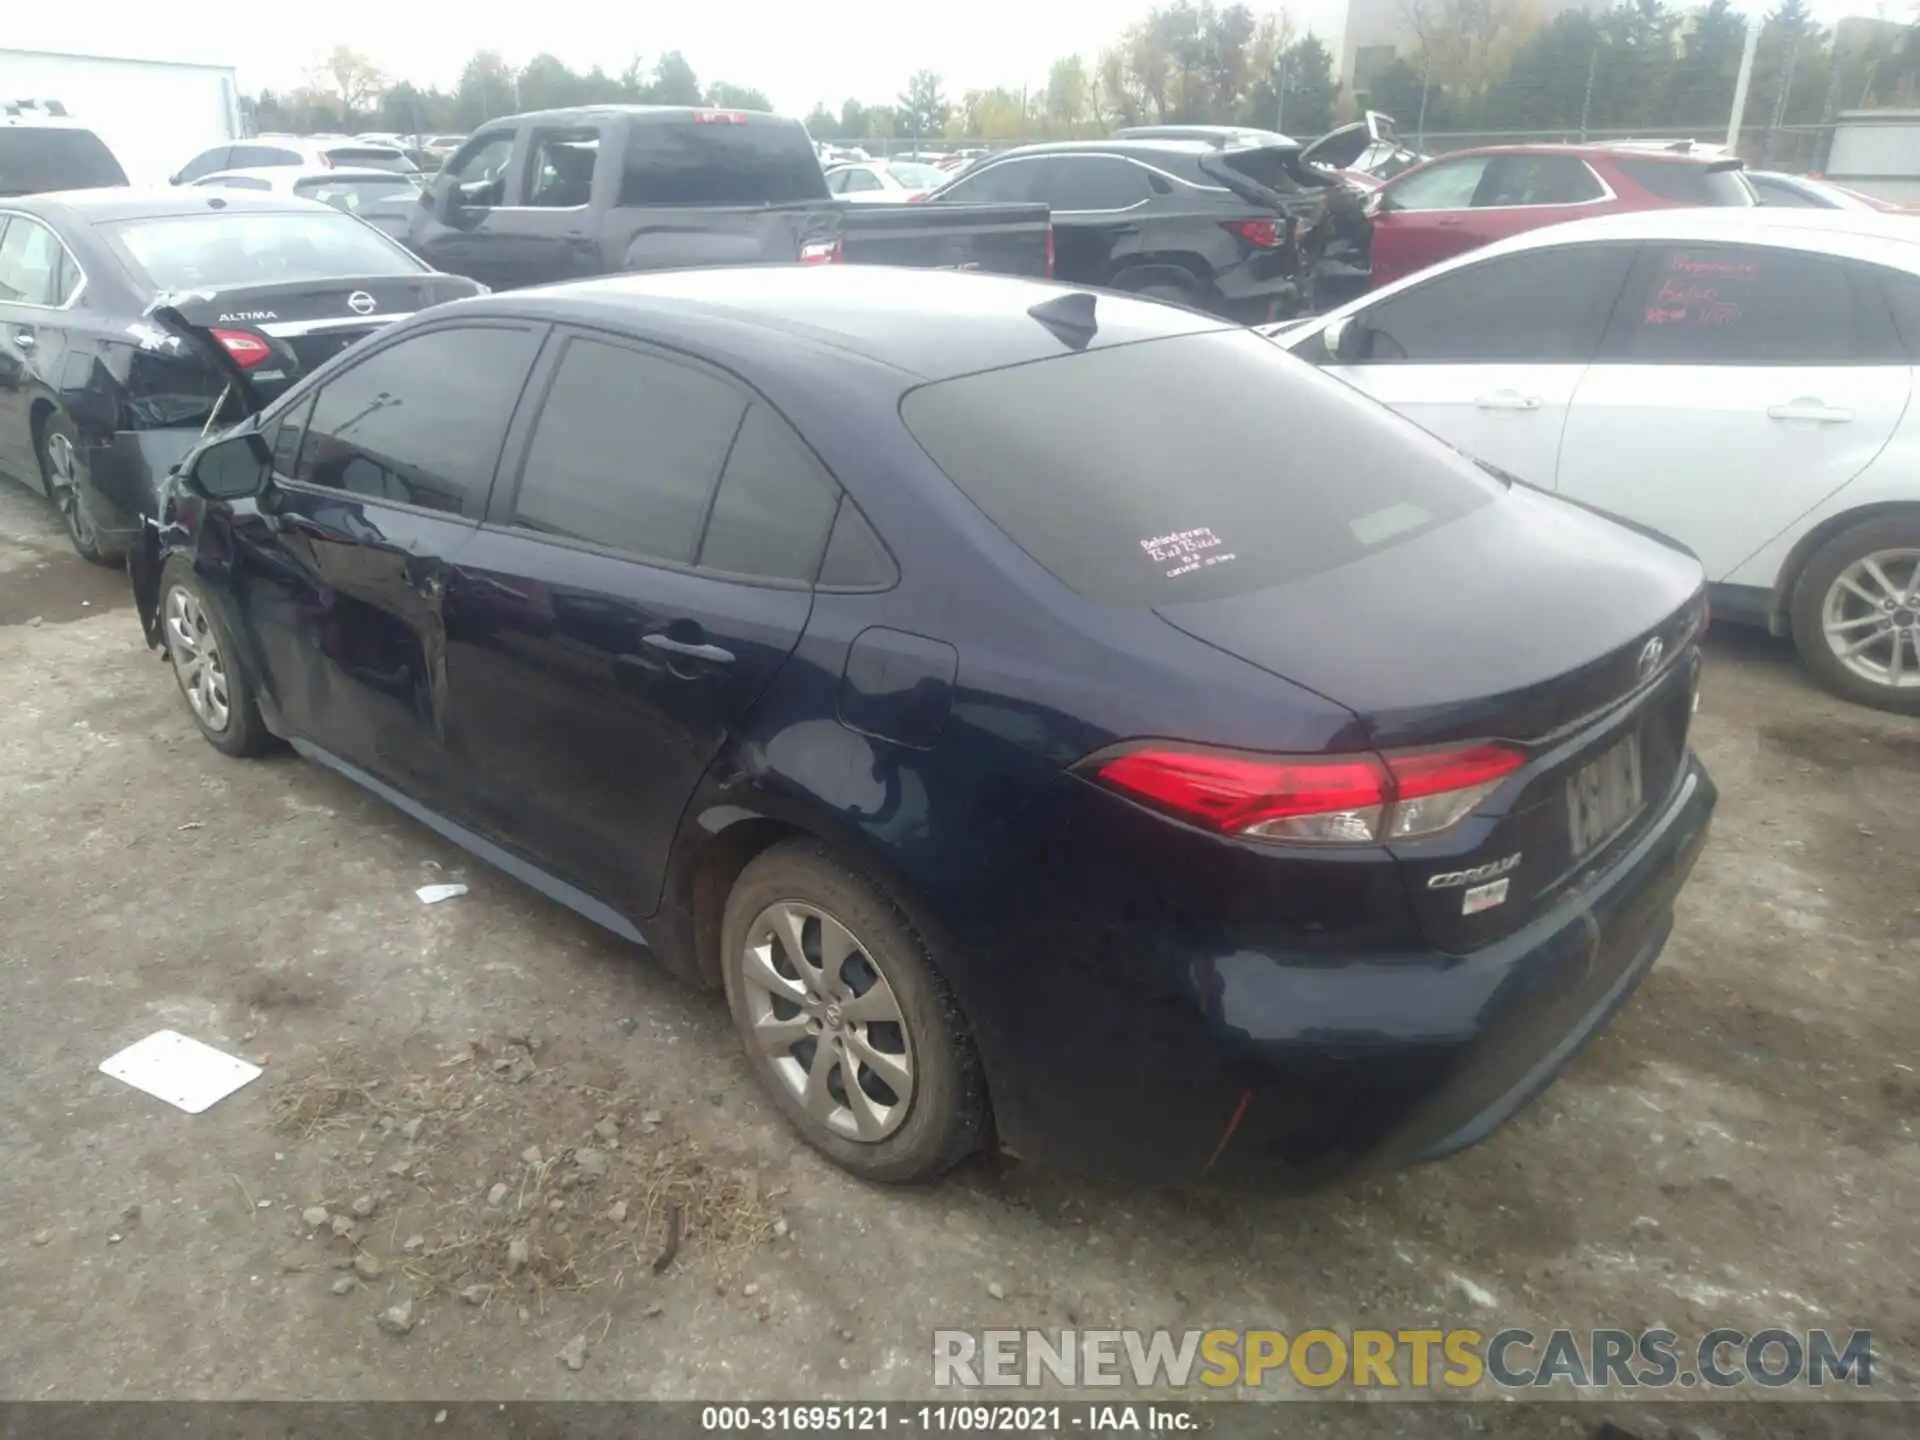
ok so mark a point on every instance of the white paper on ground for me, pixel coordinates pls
(434, 894)
(180, 1070)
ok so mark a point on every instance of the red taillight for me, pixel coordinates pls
(1049, 252)
(719, 117)
(1261, 234)
(821, 252)
(247, 350)
(1359, 799)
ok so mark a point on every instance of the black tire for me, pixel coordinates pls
(1810, 592)
(241, 733)
(946, 1114)
(61, 480)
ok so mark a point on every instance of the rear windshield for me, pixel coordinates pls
(190, 252)
(34, 161)
(372, 157)
(1687, 183)
(1189, 468)
(689, 162)
(361, 193)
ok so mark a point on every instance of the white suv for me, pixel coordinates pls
(1740, 380)
(312, 152)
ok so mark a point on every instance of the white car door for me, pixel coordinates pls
(1738, 387)
(1486, 356)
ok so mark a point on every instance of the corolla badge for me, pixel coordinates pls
(361, 303)
(1650, 654)
(1453, 879)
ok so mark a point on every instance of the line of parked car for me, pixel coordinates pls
(1053, 717)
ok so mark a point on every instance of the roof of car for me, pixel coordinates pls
(927, 324)
(1138, 149)
(586, 114)
(1591, 149)
(130, 203)
(285, 176)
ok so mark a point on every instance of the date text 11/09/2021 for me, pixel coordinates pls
(958, 1417)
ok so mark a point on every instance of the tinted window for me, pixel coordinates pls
(29, 263)
(33, 161)
(1446, 186)
(1742, 305)
(774, 507)
(185, 252)
(1684, 182)
(1537, 180)
(690, 162)
(1189, 468)
(245, 157)
(626, 451)
(421, 421)
(1009, 180)
(1542, 306)
(1090, 182)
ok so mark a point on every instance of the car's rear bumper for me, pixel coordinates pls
(1264, 1063)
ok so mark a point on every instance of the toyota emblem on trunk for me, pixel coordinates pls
(1650, 654)
(361, 303)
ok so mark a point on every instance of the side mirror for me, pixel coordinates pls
(236, 468)
(1343, 337)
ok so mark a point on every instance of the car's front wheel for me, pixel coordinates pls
(847, 1021)
(201, 650)
(62, 473)
(1856, 614)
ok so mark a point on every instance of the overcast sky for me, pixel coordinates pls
(797, 52)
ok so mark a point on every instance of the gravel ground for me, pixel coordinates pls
(1738, 1150)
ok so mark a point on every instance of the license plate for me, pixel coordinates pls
(1604, 796)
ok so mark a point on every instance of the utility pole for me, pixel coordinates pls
(1586, 101)
(1420, 128)
(1741, 85)
(1284, 65)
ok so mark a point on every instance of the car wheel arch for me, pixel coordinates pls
(1810, 544)
(1144, 273)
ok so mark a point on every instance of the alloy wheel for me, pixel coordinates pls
(63, 467)
(196, 658)
(827, 1020)
(1871, 618)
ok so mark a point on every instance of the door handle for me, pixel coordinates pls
(1809, 408)
(1507, 400)
(23, 340)
(1446, 219)
(1127, 229)
(712, 654)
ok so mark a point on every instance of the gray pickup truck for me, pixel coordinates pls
(597, 190)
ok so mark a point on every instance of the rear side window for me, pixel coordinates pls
(626, 451)
(1542, 306)
(1189, 468)
(1747, 305)
(34, 161)
(1684, 182)
(774, 507)
(420, 422)
(719, 162)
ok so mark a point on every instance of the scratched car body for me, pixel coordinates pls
(837, 633)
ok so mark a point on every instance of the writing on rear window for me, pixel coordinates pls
(1184, 551)
(1692, 288)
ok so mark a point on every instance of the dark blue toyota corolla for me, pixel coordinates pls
(1055, 720)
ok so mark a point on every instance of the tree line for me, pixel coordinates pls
(1472, 65)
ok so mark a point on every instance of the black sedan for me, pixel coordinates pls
(1050, 718)
(102, 387)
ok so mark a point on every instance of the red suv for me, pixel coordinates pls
(1470, 198)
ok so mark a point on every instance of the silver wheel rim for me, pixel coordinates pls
(1871, 618)
(63, 480)
(827, 1021)
(196, 658)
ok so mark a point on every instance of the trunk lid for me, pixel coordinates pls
(1591, 676)
(299, 324)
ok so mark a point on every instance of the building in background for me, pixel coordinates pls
(153, 114)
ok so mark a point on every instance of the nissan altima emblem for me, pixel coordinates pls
(1650, 654)
(361, 303)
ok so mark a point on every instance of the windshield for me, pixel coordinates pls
(916, 176)
(35, 160)
(360, 193)
(191, 252)
(1189, 468)
(371, 157)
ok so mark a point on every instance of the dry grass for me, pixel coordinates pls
(436, 1144)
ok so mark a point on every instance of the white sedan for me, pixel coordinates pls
(893, 180)
(1737, 379)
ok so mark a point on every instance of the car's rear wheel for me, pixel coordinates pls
(62, 472)
(1856, 614)
(200, 648)
(847, 1020)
